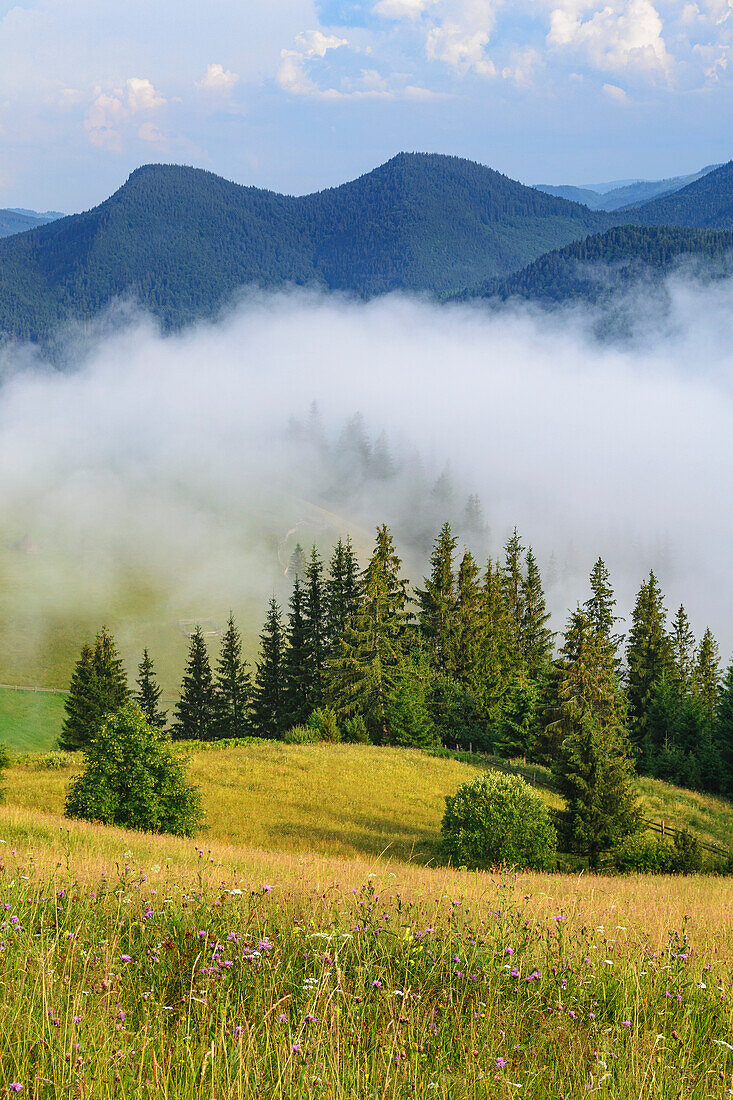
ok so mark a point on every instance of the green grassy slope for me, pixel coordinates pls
(30, 721)
(344, 800)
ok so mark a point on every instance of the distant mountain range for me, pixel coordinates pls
(182, 241)
(623, 193)
(17, 221)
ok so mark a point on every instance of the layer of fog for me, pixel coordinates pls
(185, 468)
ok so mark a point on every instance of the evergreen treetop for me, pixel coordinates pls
(149, 692)
(196, 708)
(233, 687)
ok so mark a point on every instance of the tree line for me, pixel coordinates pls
(467, 658)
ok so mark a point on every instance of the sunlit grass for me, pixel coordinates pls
(131, 965)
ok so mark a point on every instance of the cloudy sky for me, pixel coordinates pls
(300, 94)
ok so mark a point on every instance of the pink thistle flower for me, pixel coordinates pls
(126, 958)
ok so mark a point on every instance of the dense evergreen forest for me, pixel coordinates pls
(466, 658)
(705, 204)
(602, 265)
(181, 240)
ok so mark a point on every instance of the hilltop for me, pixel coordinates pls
(181, 241)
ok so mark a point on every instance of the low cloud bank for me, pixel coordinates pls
(184, 468)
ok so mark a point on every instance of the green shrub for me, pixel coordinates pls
(354, 730)
(688, 854)
(134, 777)
(301, 735)
(645, 854)
(324, 722)
(498, 819)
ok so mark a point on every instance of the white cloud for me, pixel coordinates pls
(217, 80)
(622, 36)
(402, 9)
(459, 35)
(523, 66)
(615, 93)
(111, 109)
(317, 44)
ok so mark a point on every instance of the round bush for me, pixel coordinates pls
(498, 819)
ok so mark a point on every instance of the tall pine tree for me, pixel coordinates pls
(600, 607)
(149, 692)
(535, 637)
(315, 626)
(342, 593)
(468, 625)
(233, 686)
(98, 688)
(594, 768)
(196, 709)
(436, 602)
(363, 678)
(296, 666)
(269, 718)
(648, 654)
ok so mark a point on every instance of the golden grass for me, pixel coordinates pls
(345, 800)
(638, 908)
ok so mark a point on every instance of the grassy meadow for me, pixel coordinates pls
(30, 720)
(310, 945)
(142, 966)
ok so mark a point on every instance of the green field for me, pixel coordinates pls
(30, 721)
(281, 955)
(343, 800)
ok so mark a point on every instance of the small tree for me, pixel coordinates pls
(133, 777)
(497, 819)
(196, 709)
(148, 693)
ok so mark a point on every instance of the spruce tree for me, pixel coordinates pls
(296, 670)
(233, 687)
(81, 708)
(362, 679)
(724, 731)
(98, 688)
(148, 693)
(600, 607)
(498, 661)
(595, 764)
(682, 644)
(409, 722)
(468, 625)
(535, 637)
(315, 627)
(648, 654)
(436, 602)
(706, 676)
(296, 567)
(196, 709)
(268, 697)
(342, 590)
(518, 725)
(512, 575)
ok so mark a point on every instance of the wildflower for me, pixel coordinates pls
(76, 1019)
(264, 945)
(15, 1086)
(626, 1023)
(508, 950)
(266, 889)
(500, 1063)
(126, 958)
(239, 1030)
(282, 1018)
(296, 1048)
(376, 984)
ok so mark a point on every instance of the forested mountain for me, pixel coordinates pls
(17, 221)
(705, 204)
(603, 197)
(608, 262)
(181, 240)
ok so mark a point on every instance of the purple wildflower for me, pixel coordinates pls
(126, 958)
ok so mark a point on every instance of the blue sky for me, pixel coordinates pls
(301, 94)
